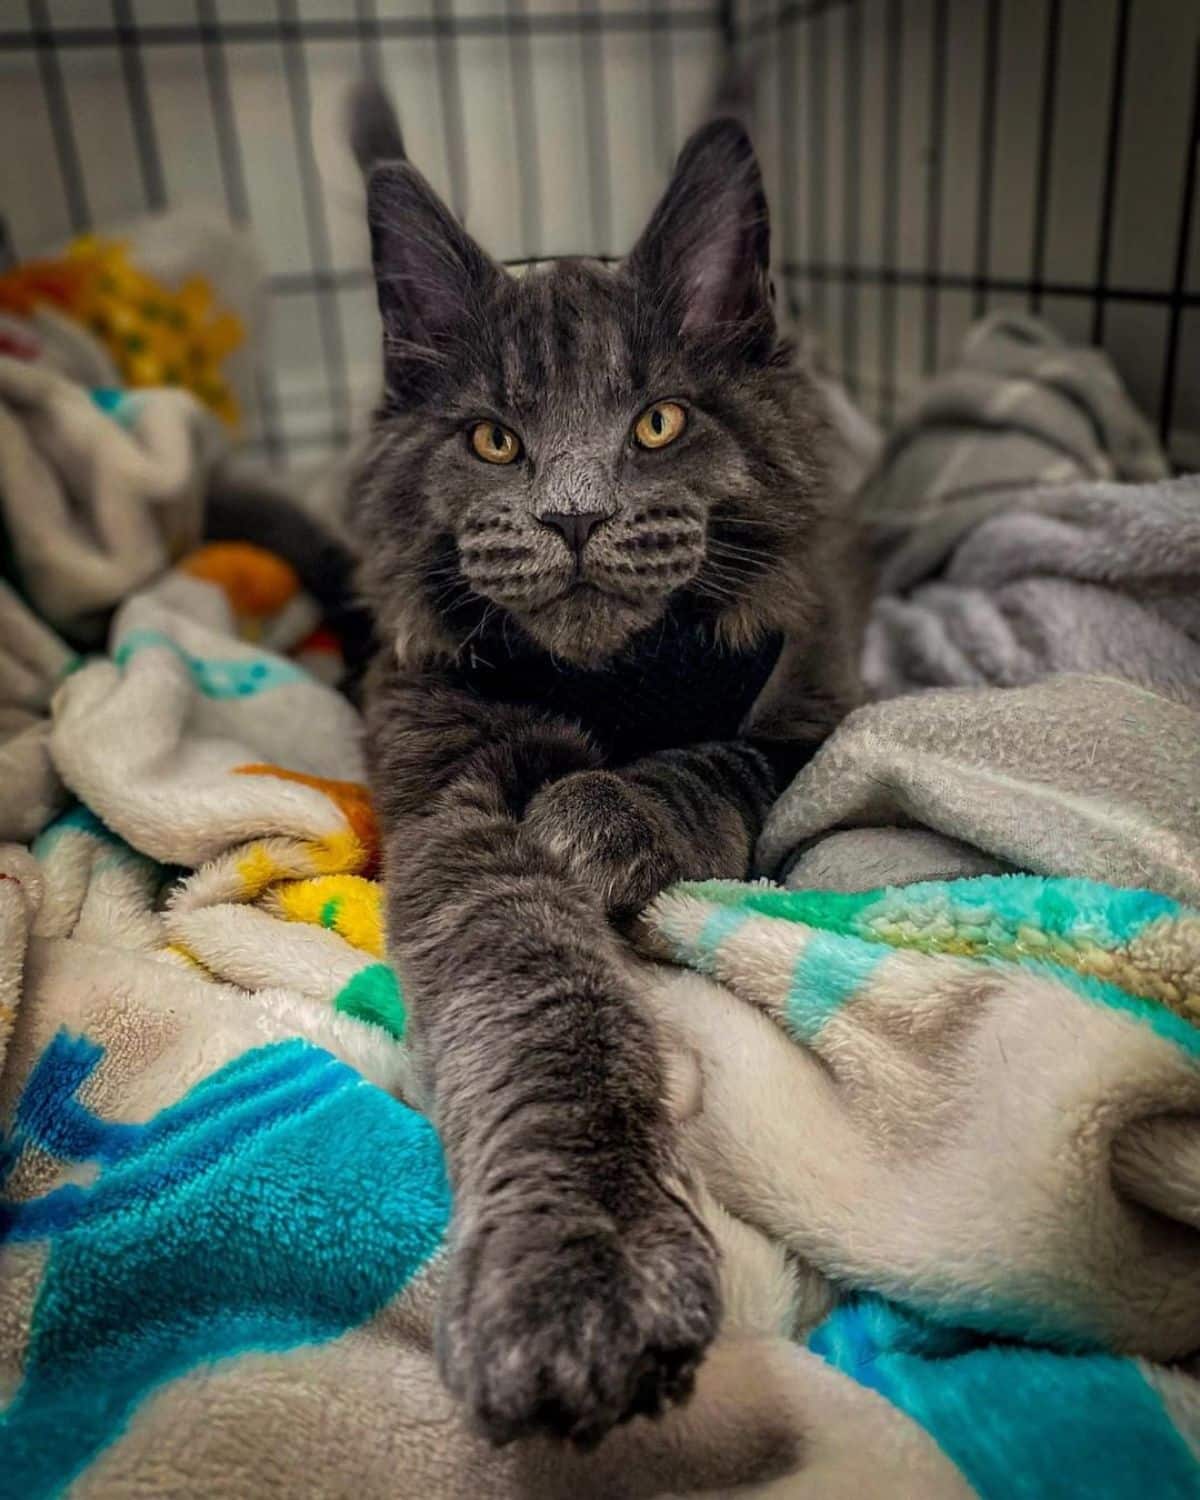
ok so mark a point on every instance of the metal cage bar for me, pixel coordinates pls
(1157, 345)
(884, 241)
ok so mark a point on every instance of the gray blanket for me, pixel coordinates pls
(1034, 651)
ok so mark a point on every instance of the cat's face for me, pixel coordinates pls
(570, 448)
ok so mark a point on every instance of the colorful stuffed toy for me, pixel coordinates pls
(156, 336)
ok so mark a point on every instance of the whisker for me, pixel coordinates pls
(747, 554)
(453, 594)
(713, 590)
(737, 522)
(488, 612)
(734, 567)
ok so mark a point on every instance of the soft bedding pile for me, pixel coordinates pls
(941, 1093)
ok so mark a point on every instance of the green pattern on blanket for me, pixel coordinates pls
(1117, 947)
(1015, 1392)
(373, 995)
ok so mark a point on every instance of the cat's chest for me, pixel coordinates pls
(673, 686)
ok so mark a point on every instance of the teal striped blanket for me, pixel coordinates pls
(948, 1138)
(985, 1137)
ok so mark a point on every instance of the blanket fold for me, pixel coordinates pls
(996, 1160)
(1034, 649)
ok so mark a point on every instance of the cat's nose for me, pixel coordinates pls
(573, 526)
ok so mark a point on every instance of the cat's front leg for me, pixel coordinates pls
(583, 1289)
(686, 814)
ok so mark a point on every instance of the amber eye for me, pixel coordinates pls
(660, 424)
(494, 444)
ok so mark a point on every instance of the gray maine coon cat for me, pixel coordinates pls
(593, 517)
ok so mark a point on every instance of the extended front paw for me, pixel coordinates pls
(612, 837)
(568, 1324)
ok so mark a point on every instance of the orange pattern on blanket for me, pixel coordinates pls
(255, 581)
(351, 797)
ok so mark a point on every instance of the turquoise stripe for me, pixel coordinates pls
(235, 1087)
(1020, 1423)
(123, 406)
(850, 936)
(721, 923)
(829, 972)
(235, 677)
(78, 819)
(149, 1158)
(288, 1203)
(1059, 906)
(1171, 1027)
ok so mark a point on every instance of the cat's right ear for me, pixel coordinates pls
(430, 275)
(705, 253)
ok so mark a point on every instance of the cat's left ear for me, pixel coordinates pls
(706, 250)
(430, 275)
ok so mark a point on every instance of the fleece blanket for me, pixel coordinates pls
(1034, 648)
(947, 1134)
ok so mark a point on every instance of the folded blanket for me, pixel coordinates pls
(995, 1154)
(1006, 551)
(32, 663)
(142, 460)
(1069, 776)
(1019, 409)
(1058, 615)
(1095, 577)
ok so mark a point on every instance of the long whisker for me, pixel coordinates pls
(745, 554)
(451, 597)
(735, 567)
(488, 612)
(739, 521)
(713, 590)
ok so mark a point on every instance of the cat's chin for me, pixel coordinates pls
(588, 626)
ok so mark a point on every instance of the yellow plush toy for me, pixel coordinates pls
(155, 336)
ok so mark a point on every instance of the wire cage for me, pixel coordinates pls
(926, 162)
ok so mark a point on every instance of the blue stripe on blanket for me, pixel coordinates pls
(232, 677)
(721, 923)
(122, 406)
(83, 821)
(1020, 1423)
(51, 1118)
(830, 971)
(76, 819)
(279, 1203)
(1172, 1028)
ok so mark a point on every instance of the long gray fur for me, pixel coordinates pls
(583, 1288)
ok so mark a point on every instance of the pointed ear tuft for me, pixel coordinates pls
(372, 126)
(430, 275)
(706, 250)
